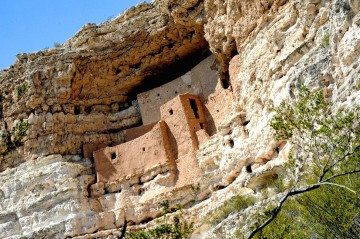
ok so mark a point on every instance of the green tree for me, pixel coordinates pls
(325, 150)
(328, 212)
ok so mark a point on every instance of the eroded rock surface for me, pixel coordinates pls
(82, 91)
(85, 92)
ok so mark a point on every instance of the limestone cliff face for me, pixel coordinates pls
(85, 92)
(82, 91)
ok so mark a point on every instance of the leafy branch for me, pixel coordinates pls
(325, 145)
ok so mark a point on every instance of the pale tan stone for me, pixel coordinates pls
(82, 94)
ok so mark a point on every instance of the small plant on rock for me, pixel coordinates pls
(19, 132)
(325, 41)
(176, 228)
(20, 90)
(57, 45)
(234, 204)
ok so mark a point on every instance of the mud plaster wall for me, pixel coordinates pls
(201, 80)
(182, 124)
(133, 133)
(134, 157)
(172, 138)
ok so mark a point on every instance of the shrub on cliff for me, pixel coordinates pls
(10, 140)
(234, 204)
(176, 228)
(324, 164)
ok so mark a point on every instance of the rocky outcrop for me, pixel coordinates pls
(85, 92)
(82, 91)
(305, 42)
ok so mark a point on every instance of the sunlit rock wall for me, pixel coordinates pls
(83, 92)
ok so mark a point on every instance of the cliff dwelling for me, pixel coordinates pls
(177, 117)
(171, 103)
(174, 138)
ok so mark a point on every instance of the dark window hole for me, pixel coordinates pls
(143, 149)
(176, 92)
(194, 108)
(225, 84)
(246, 122)
(77, 110)
(189, 86)
(141, 191)
(136, 65)
(158, 94)
(201, 126)
(248, 168)
(231, 143)
(277, 149)
(117, 71)
(171, 112)
(87, 109)
(113, 155)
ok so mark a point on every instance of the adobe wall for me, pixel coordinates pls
(201, 80)
(182, 123)
(133, 133)
(217, 107)
(134, 157)
(194, 112)
(89, 149)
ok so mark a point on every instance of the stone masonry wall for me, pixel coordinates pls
(200, 80)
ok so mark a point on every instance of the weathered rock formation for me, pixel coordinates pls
(92, 92)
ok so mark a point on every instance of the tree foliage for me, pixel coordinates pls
(325, 152)
(328, 212)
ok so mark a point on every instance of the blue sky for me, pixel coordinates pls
(31, 25)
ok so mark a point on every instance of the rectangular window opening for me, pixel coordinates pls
(113, 155)
(194, 108)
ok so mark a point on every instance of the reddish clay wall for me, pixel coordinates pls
(194, 114)
(133, 133)
(201, 80)
(134, 157)
(182, 123)
(89, 149)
